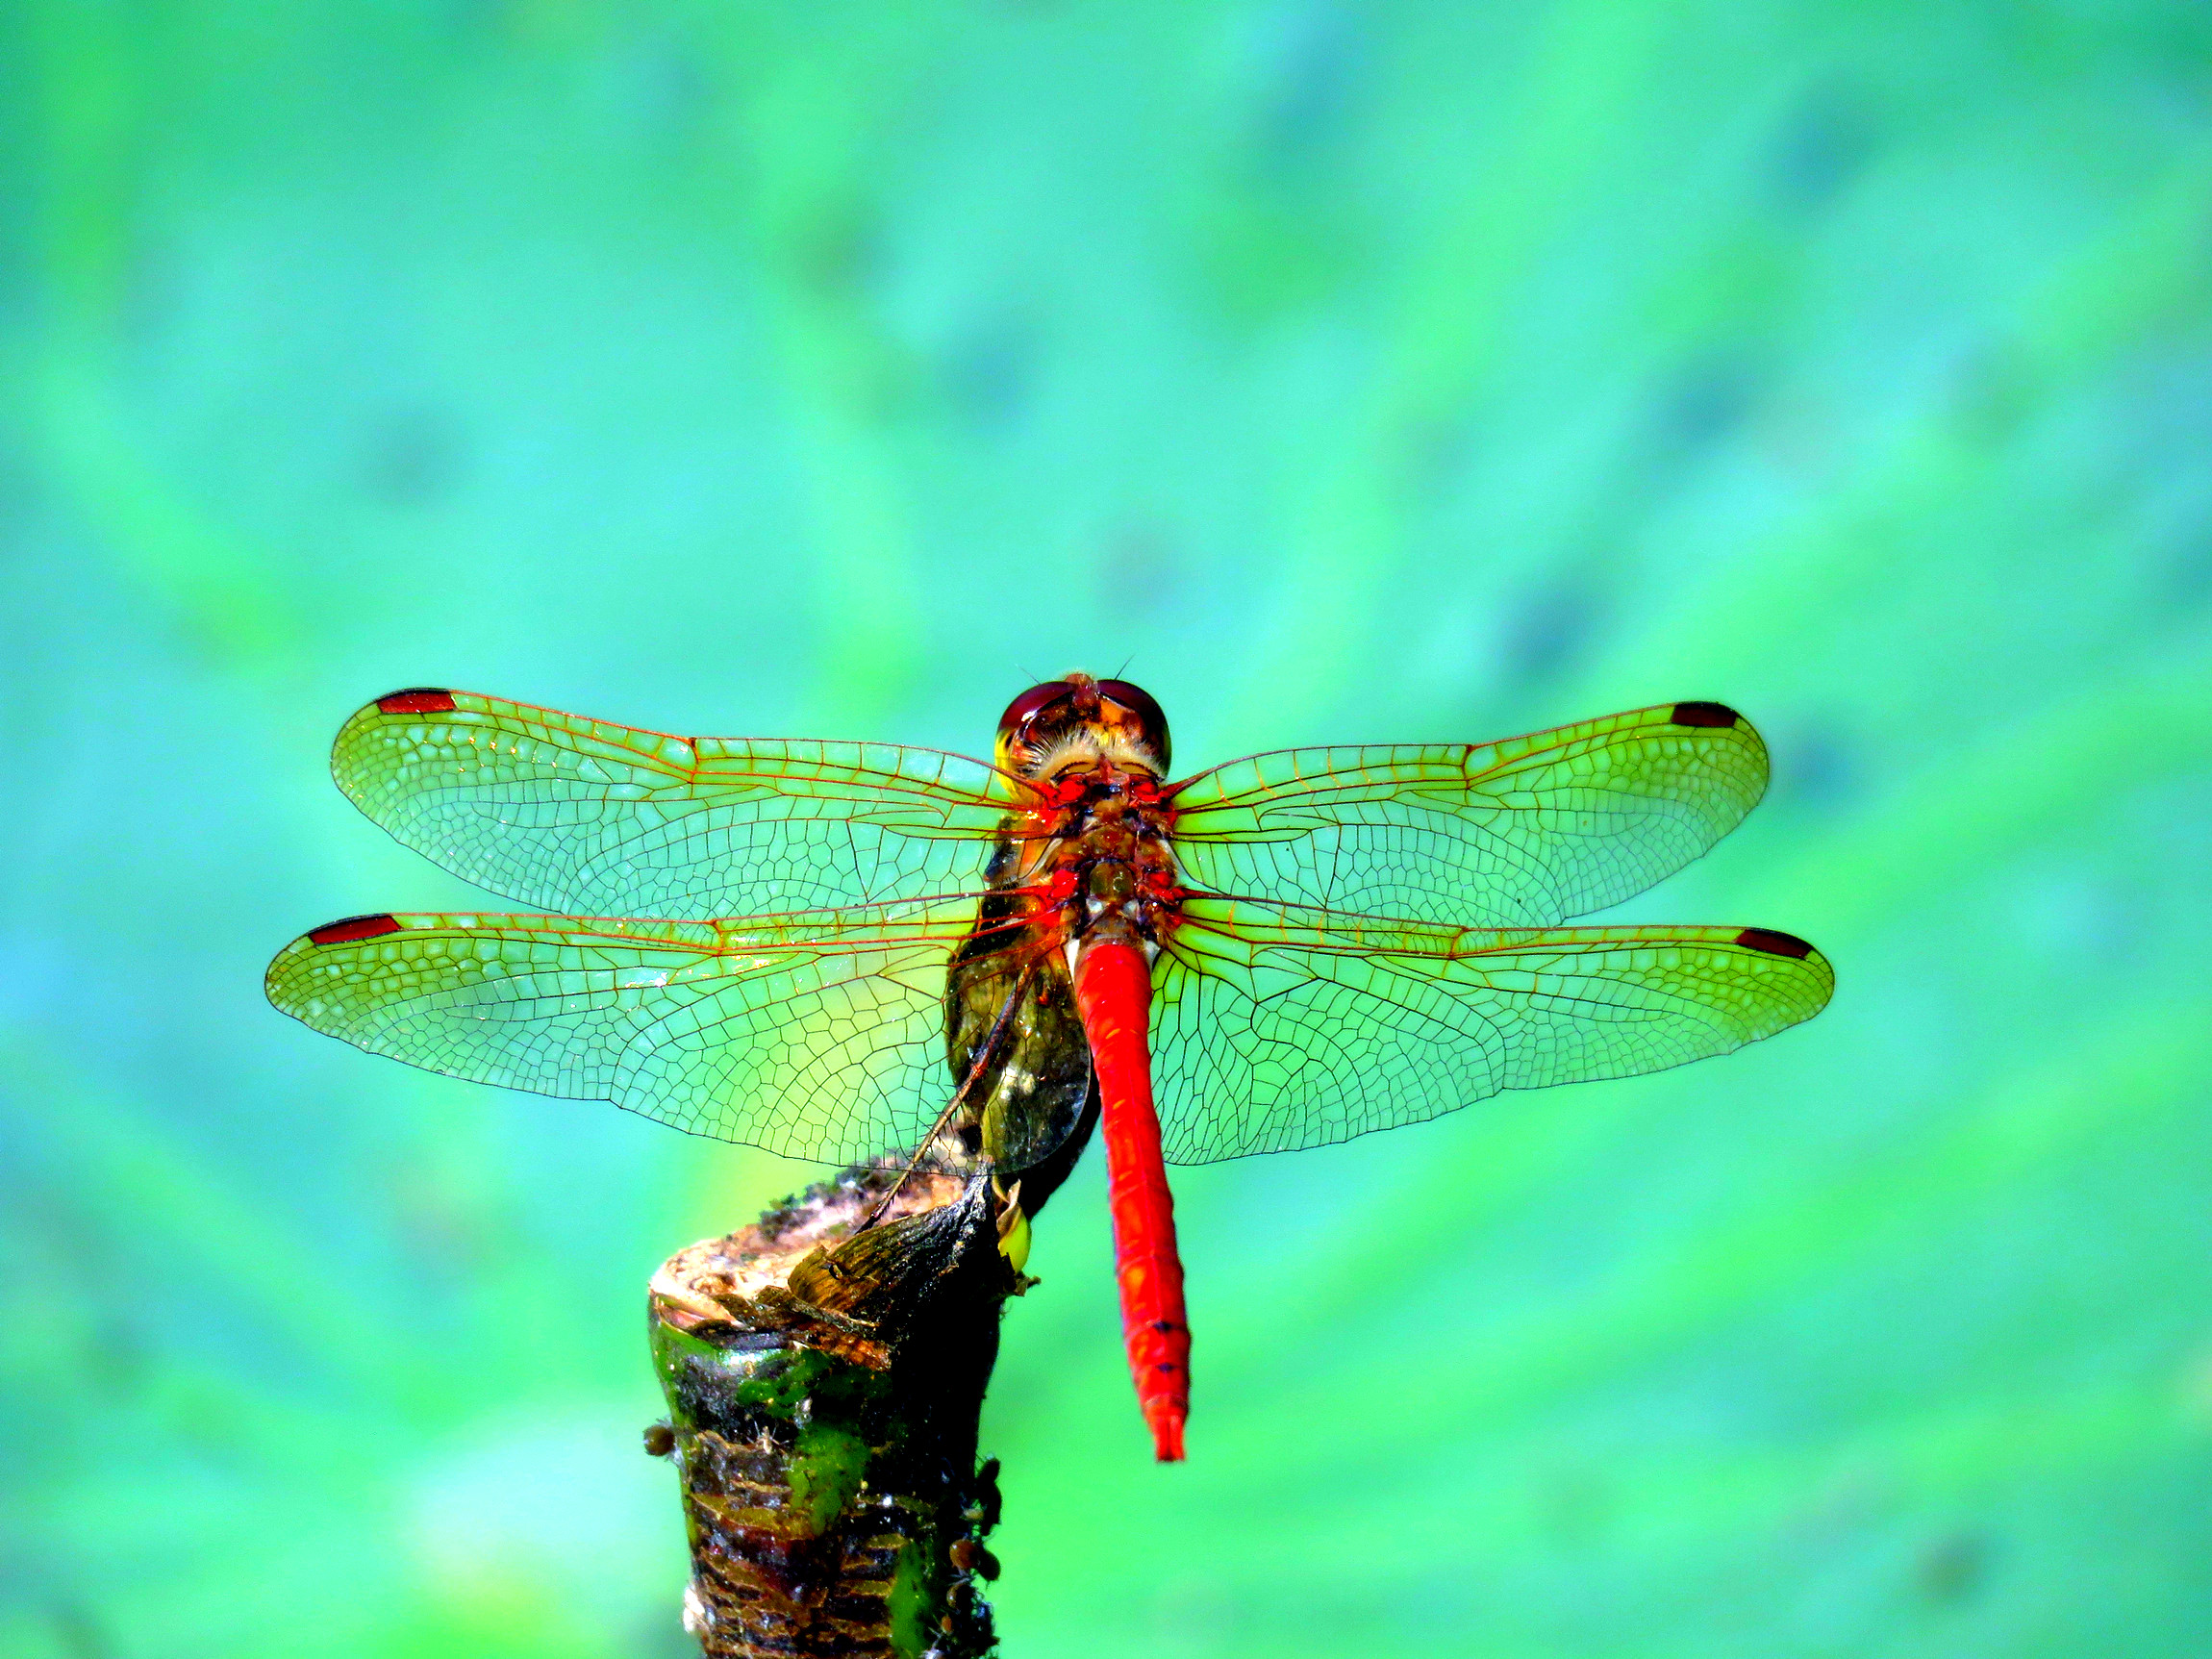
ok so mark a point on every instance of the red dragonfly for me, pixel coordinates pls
(862, 948)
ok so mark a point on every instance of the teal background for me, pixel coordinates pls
(1339, 373)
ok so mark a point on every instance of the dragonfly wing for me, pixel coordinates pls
(586, 816)
(1279, 1028)
(1524, 833)
(817, 1037)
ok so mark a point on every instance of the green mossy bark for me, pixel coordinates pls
(823, 1392)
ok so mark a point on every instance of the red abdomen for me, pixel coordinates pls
(1114, 994)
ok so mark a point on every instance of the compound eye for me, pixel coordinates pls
(1031, 703)
(1151, 718)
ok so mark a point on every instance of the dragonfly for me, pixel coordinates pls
(847, 950)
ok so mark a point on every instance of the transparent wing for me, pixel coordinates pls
(1524, 833)
(813, 1035)
(1276, 1028)
(578, 815)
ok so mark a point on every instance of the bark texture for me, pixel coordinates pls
(823, 1388)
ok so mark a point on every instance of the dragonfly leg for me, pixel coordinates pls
(975, 1068)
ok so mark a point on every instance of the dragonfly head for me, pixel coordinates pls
(1077, 721)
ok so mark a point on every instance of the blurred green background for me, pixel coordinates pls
(1338, 373)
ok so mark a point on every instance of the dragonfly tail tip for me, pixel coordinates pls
(1166, 1432)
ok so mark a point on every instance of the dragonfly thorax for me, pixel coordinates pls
(1108, 853)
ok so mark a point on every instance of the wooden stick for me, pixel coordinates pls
(824, 1384)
